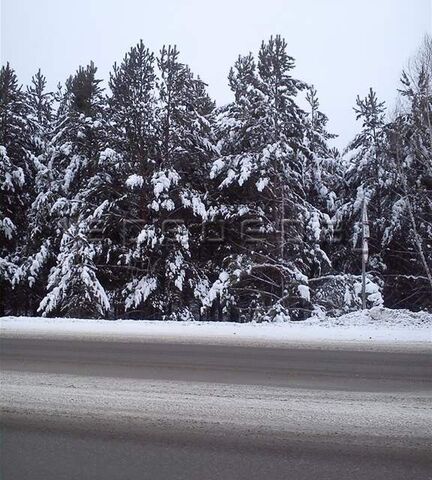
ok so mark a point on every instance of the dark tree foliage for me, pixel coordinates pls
(144, 200)
(16, 184)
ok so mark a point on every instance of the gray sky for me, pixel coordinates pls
(341, 46)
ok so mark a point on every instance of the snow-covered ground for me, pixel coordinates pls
(365, 329)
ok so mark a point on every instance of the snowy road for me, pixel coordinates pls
(89, 409)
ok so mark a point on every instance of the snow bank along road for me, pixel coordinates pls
(377, 328)
(77, 409)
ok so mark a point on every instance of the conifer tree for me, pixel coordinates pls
(322, 167)
(31, 275)
(40, 109)
(264, 155)
(368, 177)
(129, 162)
(73, 286)
(15, 184)
(79, 138)
(171, 281)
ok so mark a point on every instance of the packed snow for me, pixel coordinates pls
(130, 405)
(375, 328)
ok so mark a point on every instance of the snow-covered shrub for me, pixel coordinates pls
(342, 293)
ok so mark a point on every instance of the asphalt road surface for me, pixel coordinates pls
(111, 410)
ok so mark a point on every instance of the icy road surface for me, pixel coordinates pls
(136, 410)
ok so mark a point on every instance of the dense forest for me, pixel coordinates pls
(145, 199)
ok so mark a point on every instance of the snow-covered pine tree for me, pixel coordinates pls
(31, 276)
(40, 111)
(129, 163)
(15, 185)
(322, 167)
(132, 107)
(73, 286)
(262, 186)
(369, 177)
(78, 140)
(408, 233)
(171, 282)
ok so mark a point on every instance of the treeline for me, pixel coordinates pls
(145, 200)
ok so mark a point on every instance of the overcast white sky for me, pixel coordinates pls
(342, 46)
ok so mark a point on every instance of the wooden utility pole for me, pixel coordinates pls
(364, 250)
